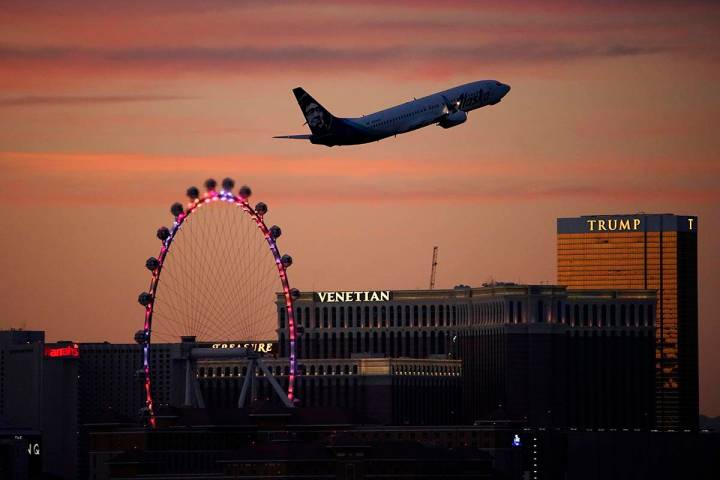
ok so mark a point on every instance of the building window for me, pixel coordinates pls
(594, 316)
(520, 313)
(540, 312)
(558, 313)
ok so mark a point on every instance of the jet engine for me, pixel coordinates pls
(453, 119)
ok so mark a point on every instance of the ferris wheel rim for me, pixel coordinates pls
(241, 201)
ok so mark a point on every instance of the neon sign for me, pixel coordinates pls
(364, 296)
(69, 351)
(262, 347)
(613, 224)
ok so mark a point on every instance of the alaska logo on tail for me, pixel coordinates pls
(447, 109)
(325, 127)
(318, 118)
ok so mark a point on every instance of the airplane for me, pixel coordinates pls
(447, 109)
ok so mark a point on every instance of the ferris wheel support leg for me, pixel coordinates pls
(189, 384)
(247, 382)
(276, 386)
(198, 394)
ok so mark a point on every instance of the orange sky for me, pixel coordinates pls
(109, 111)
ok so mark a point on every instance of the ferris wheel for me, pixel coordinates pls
(221, 268)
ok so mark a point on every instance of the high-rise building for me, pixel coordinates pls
(645, 251)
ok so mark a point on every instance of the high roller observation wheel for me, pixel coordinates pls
(183, 216)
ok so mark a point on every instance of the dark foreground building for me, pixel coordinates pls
(322, 443)
(643, 251)
(55, 391)
(304, 444)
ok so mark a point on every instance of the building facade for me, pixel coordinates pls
(551, 357)
(380, 391)
(539, 354)
(645, 251)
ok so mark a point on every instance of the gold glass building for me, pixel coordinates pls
(645, 251)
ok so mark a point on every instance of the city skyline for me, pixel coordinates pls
(109, 113)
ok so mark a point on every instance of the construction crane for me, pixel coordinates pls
(434, 268)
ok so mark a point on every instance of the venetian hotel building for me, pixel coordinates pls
(645, 251)
(542, 355)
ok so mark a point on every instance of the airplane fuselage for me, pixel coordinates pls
(448, 108)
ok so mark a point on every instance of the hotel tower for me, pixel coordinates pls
(645, 251)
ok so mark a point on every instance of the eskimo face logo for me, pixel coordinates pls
(315, 116)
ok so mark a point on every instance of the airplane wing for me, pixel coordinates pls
(295, 137)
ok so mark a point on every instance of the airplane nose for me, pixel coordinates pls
(507, 89)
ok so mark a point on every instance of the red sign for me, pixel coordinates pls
(67, 351)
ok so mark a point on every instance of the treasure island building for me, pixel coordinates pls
(644, 251)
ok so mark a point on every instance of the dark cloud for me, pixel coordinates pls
(85, 100)
(312, 57)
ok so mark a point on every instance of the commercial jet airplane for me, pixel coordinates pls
(447, 108)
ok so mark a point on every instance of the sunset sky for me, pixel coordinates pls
(108, 112)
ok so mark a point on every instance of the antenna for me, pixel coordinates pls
(434, 268)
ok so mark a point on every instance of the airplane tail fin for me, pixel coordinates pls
(318, 118)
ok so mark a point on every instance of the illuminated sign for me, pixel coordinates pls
(68, 351)
(614, 224)
(516, 441)
(364, 296)
(260, 347)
